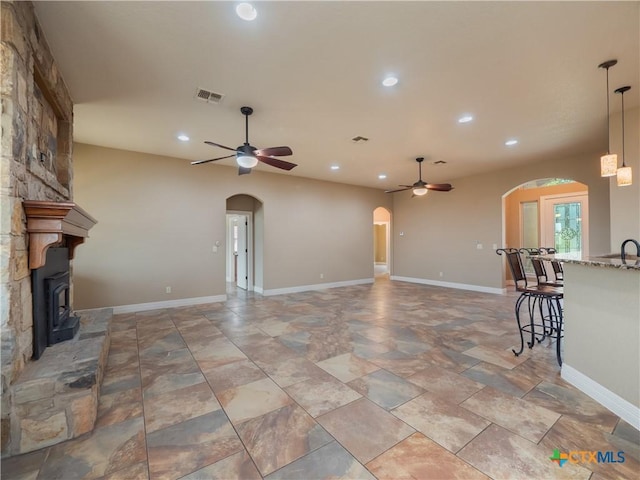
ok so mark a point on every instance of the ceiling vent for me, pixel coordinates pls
(208, 96)
(359, 139)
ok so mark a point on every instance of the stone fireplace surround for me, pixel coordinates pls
(53, 399)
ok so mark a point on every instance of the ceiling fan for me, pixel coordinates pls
(248, 156)
(420, 187)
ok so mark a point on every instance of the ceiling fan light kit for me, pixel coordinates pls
(421, 188)
(248, 156)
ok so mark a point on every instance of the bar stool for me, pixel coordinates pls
(536, 296)
(555, 264)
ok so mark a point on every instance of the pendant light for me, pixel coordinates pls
(624, 173)
(608, 162)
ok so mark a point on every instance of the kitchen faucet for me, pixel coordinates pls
(624, 244)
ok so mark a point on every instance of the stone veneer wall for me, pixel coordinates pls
(35, 156)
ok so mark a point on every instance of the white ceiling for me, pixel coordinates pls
(312, 73)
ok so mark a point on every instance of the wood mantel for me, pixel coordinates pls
(48, 222)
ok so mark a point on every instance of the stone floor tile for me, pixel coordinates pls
(570, 435)
(252, 400)
(447, 423)
(501, 358)
(239, 465)
(104, 451)
(347, 367)
(445, 383)
(281, 436)
(321, 394)
(138, 471)
(119, 406)
(572, 403)
(233, 374)
(364, 429)
(181, 449)
(166, 409)
(385, 389)
(331, 462)
(524, 418)
(514, 383)
(504, 455)
(418, 457)
(24, 467)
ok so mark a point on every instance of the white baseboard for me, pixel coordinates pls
(629, 412)
(319, 286)
(180, 302)
(259, 290)
(459, 286)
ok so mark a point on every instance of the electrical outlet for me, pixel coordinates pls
(321, 275)
(167, 290)
(441, 274)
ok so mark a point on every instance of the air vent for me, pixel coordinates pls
(359, 139)
(208, 96)
(439, 162)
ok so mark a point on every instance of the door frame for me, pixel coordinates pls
(387, 241)
(250, 240)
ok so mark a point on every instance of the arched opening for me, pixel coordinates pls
(381, 241)
(244, 247)
(547, 212)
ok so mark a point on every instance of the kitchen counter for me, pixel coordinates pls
(631, 262)
(602, 331)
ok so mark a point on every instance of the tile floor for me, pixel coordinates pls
(388, 381)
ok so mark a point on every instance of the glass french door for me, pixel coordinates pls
(564, 224)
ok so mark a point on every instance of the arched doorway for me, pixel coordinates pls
(381, 241)
(547, 212)
(244, 252)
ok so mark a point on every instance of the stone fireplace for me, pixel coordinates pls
(43, 402)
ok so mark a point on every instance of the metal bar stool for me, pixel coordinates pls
(535, 296)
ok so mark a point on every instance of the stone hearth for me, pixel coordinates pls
(56, 398)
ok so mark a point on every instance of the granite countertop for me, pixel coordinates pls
(631, 262)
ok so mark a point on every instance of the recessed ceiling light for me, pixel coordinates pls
(390, 81)
(246, 11)
(382, 176)
(465, 119)
(335, 167)
(511, 143)
(183, 138)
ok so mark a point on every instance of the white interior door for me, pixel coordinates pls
(242, 254)
(565, 223)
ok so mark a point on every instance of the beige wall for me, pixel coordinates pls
(441, 230)
(158, 218)
(625, 201)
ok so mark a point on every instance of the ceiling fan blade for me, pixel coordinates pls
(243, 171)
(276, 162)
(439, 187)
(406, 187)
(198, 162)
(274, 152)
(220, 146)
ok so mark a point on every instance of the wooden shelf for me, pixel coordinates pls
(49, 222)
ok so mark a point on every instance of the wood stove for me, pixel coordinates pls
(52, 318)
